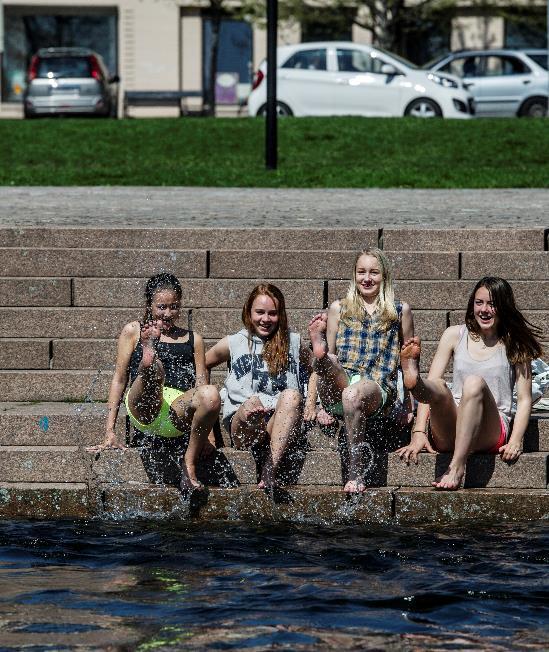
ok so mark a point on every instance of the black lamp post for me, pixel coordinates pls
(271, 131)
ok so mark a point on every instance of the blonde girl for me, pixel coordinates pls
(356, 348)
(263, 403)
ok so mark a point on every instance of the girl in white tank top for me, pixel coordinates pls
(492, 353)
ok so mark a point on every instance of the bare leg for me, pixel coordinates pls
(249, 424)
(283, 426)
(203, 410)
(145, 395)
(332, 377)
(477, 429)
(360, 400)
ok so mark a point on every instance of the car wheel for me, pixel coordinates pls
(423, 107)
(282, 110)
(535, 107)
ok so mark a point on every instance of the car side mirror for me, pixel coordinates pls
(115, 79)
(388, 69)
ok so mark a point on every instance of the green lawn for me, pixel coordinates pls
(313, 152)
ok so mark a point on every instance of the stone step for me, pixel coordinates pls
(51, 385)
(197, 292)
(315, 505)
(60, 262)
(315, 467)
(528, 472)
(44, 500)
(42, 464)
(35, 291)
(83, 424)
(393, 239)
(258, 239)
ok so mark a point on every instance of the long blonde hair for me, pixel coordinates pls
(353, 306)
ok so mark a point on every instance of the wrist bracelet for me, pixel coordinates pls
(423, 431)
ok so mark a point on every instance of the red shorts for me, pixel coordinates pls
(494, 449)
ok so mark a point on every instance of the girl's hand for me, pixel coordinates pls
(409, 453)
(510, 452)
(110, 442)
(324, 418)
(309, 412)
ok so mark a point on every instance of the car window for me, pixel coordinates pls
(504, 65)
(64, 67)
(357, 61)
(464, 67)
(307, 60)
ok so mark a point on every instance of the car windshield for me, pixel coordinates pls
(59, 67)
(398, 58)
(540, 59)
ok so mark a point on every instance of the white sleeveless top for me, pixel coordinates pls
(497, 371)
(249, 375)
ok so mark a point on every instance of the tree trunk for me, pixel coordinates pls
(209, 96)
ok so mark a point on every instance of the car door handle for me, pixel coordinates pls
(526, 81)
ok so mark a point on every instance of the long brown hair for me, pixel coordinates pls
(277, 347)
(519, 336)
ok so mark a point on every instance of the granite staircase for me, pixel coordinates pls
(65, 293)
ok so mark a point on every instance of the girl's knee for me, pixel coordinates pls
(473, 387)
(208, 396)
(356, 397)
(289, 399)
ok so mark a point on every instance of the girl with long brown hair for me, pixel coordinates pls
(492, 353)
(263, 402)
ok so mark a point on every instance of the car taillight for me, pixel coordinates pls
(95, 69)
(258, 78)
(33, 68)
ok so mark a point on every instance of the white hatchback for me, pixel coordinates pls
(345, 78)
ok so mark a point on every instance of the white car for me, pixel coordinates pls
(345, 78)
(503, 82)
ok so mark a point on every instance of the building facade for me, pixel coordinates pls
(164, 44)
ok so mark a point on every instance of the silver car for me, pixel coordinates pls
(503, 82)
(69, 81)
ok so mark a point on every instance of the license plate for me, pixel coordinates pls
(63, 90)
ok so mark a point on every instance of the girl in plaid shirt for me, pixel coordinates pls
(356, 347)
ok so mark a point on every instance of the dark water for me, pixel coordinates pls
(167, 586)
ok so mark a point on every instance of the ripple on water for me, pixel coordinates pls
(151, 585)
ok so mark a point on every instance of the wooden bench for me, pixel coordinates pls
(159, 98)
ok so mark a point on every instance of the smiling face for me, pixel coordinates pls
(166, 307)
(484, 311)
(264, 316)
(368, 277)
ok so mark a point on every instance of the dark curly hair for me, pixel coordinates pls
(157, 283)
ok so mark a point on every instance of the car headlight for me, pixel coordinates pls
(442, 81)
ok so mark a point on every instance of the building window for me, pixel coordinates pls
(234, 55)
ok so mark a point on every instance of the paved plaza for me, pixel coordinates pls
(265, 207)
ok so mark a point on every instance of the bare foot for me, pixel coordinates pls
(409, 361)
(150, 333)
(354, 487)
(450, 481)
(317, 334)
(267, 475)
(324, 418)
